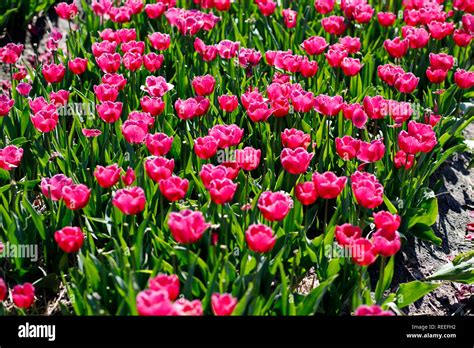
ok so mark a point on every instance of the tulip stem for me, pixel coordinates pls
(379, 288)
(325, 215)
(161, 213)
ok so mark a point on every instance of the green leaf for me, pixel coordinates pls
(461, 269)
(391, 208)
(426, 214)
(425, 232)
(413, 291)
(384, 282)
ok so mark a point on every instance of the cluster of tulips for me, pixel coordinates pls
(223, 153)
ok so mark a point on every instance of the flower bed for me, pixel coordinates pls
(173, 159)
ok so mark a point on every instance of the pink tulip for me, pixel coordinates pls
(274, 206)
(130, 201)
(260, 238)
(174, 188)
(10, 157)
(159, 168)
(69, 239)
(187, 226)
(107, 176)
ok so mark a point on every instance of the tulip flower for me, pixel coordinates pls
(157, 86)
(24, 89)
(115, 80)
(107, 176)
(260, 238)
(417, 37)
(159, 168)
(406, 83)
(52, 187)
(109, 62)
(294, 138)
(436, 76)
(386, 19)
(329, 185)
(152, 61)
(59, 98)
(187, 226)
(462, 38)
(105, 92)
(53, 73)
(464, 79)
(210, 172)
(396, 48)
(69, 239)
(75, 196)
(78, 66)
(334, 25)
(130, 201)
(66, 11)
(290, 18)
(134, 132)
(203, 85)
(192, 107)
(109, 111)
(174, 188)
(10, 157)
(315, 45)
(153, 105)
(295, 161)
(228, 103)
(46, 119)
(373, 310)
(274, 206)
(347, 147)
(367, 190)
(6, 105)
(387, 221)
(248, 158)
(324, 6)
(91, 133)
(306, 192)
(185, 307)
(223, 304)
(351, 66)
(419, 138)
(3, 290)
(154, 303)
(100, 48)
(168, 283)
(159, 144)
(371, 152)
(386, 243)
(226, 135)
(363, 252)
(222, 190)
(388, 73)
(347, 234)
(129, 177)
(23, 295)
